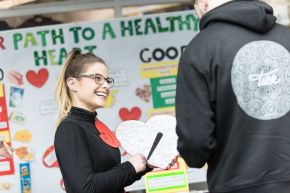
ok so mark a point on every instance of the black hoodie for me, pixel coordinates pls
(233, 99)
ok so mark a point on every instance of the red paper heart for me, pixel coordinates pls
(134, 114)
(37, 79)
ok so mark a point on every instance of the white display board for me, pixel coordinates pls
(142, 54)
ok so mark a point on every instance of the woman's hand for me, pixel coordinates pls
(5, 150)
(139, 162)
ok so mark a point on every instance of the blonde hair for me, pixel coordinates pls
(74, 65)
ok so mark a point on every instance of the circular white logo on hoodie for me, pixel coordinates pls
(261, 79)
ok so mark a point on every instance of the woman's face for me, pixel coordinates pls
(88, 94)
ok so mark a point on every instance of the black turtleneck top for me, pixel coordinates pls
(87, 164)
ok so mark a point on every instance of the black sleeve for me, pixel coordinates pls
(76, 167)
(140, 174)
(194, 114)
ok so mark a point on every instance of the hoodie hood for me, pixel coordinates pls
(254, 15)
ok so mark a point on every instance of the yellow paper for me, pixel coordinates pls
(1, 90)
(162, 111)
(168, 181)
(23, 136)
(5, 136)
(159, 69)
(111, 100)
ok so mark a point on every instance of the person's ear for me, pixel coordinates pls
(204, 6)
(201, 7)
(72, 84)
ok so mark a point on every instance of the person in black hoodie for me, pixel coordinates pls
(87, 151)
(233, 98)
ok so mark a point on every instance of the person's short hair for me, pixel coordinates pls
(194, 1)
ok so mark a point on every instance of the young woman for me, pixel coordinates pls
(88, 156)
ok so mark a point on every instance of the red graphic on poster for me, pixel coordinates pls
(6, 164)
(133, 114)
(49, 158)
(37, 79)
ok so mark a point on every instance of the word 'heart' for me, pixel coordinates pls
(138, 137)
(37, 79)
(126, 115)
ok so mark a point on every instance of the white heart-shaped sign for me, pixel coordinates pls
(138, 137)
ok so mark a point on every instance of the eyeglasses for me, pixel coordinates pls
(100, 79)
